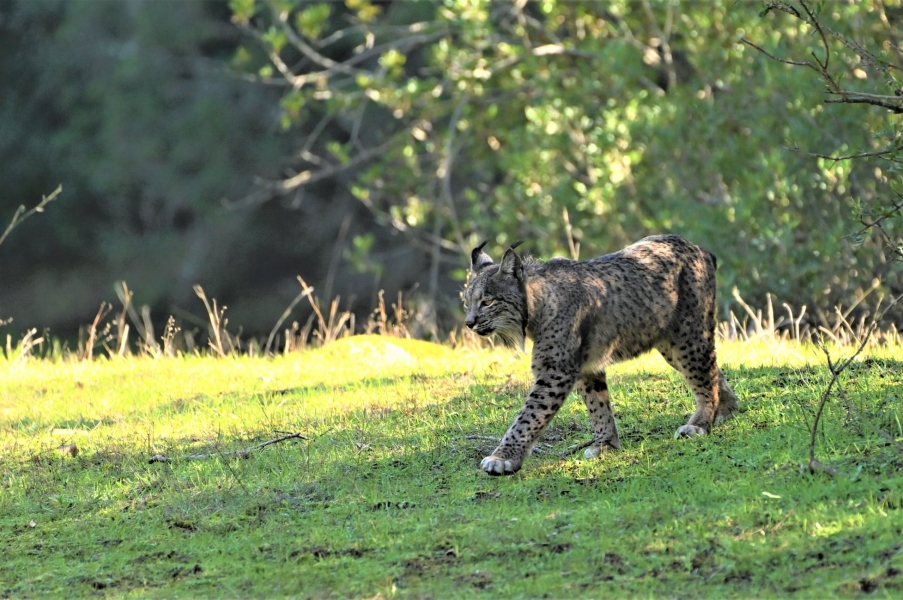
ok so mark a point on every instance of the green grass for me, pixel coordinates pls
(385, 498)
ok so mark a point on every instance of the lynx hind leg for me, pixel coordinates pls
(696, 362)
(594, 389)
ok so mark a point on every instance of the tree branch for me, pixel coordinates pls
(850, 156)
(783, 60)
(898, 110)
(836, 370)
(21, 214)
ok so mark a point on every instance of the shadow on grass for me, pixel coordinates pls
(663, 511)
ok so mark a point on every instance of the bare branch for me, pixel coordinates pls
(814, 23)
(246, 453)
(884, 152)
(359, 29)
(21, 214)
(898, 110)
(865, 95)
(299, 43)
(836, 370)
(307, 177)
(305, 290)
(783, 60)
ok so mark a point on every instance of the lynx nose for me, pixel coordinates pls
(470, 321)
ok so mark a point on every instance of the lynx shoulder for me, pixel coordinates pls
(658, 293)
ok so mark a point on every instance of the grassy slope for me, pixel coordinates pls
(385, 497)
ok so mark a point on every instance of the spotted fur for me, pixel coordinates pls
(658, 293)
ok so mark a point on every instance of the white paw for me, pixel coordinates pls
(688, 431)
(595, 451)
(497, 466)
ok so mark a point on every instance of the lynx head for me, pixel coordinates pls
(496, 296)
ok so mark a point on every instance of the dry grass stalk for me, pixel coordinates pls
(305, 291)
(122, 327)
(87, 353)
(799, 328)
(220, 340)
(142, 323)
(170, 334)
(25, 347)
(335, 325)
(380, 323)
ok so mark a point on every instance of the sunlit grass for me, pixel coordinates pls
(384, 496)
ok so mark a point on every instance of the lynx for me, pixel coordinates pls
(583, 316)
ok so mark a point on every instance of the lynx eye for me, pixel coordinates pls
(487, 301)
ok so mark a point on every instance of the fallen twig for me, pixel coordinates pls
(538, 449)
(576, 448)
(246, 453)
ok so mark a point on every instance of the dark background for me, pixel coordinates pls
(166, 124)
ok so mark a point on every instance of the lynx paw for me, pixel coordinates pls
(689, 431)
(595, 451)
(724, 413)
(721, 417)
(495, 465)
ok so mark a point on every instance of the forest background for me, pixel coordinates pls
(369, 146)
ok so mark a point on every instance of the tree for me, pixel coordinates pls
(875, 83)
(575, 126)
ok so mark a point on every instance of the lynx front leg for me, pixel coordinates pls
(605, 432)
(543, 401)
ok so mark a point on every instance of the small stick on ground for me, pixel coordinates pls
(246, 453)
(537, 448)
(577, 448)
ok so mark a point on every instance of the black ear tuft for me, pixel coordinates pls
(479, 260)
(516, 244)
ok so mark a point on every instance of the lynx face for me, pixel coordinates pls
(495, 298)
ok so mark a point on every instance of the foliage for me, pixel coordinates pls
(874, 81)
(554, 120)
(385, 496)
(130, 107)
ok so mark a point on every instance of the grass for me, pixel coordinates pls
(384, 496)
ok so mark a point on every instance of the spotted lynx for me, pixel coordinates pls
(583, 316)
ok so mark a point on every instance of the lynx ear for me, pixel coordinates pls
(511, 265)
(479, 260)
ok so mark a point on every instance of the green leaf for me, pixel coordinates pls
(276, 38)
(242, 10)
(366, 11)
(311, 20)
